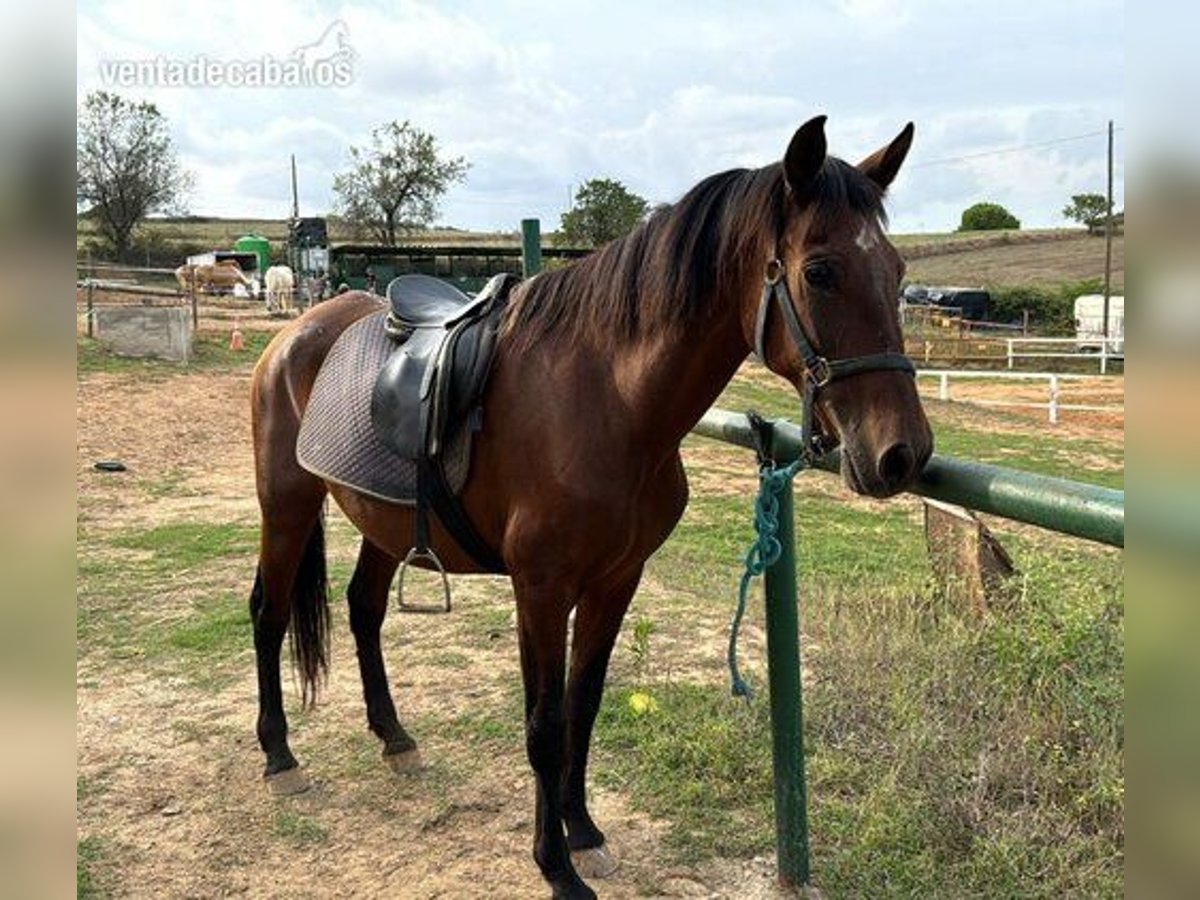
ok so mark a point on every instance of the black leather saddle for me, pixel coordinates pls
(431, 388)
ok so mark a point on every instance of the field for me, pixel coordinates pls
(948, 757)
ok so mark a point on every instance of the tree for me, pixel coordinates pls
(1087, 209)
(987, 217)
(604, 210)
(396, 182)
(125, 166)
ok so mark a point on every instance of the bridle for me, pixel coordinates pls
(818, 370)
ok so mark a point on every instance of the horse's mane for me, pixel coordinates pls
(667, 271)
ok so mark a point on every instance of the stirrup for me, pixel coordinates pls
(415, 554)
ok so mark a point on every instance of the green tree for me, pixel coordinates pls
(987, 217)
(604, 210)
(125, 166)
(1087, 209)
(395, 183)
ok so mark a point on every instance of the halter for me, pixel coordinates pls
(818, 370)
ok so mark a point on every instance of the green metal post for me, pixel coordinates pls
(787, 715)
(531, 247)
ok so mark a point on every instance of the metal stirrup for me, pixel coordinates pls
(415, 554)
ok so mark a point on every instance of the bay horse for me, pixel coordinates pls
(601, 370)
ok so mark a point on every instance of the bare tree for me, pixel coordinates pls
(396, 182)
(125, 166)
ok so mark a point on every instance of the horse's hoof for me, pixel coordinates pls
(405, 762)
(287, 783)
(594, 862)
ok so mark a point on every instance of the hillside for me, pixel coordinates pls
(1038, 257)
(1043, 258)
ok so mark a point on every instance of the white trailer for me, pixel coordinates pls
(1089, 323)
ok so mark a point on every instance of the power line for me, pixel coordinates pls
(1018, 149)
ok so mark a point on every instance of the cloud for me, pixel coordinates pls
(539, 96)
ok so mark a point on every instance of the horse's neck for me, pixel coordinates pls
(670, 380)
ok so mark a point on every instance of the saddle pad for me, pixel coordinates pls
(337, 441)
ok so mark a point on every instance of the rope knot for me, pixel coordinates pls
(763, 553)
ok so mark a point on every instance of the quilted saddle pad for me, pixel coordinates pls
(337, 440)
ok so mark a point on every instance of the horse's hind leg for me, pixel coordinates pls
(290, 584)
(368, 597)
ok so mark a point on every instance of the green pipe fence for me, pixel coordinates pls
(1086, 511)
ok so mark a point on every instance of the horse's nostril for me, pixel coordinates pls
(897, 464)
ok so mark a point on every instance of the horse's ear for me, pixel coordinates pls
(805, 155)
(882, 165)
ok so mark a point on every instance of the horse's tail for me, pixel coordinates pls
(310, 615)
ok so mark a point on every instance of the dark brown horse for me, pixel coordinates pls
(601, 370)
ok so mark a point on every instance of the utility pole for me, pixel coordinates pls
(296, 195)
(1108, 235)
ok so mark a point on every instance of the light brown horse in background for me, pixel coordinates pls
(601, 370)
(219, 276)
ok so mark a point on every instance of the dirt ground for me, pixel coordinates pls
(167, 759)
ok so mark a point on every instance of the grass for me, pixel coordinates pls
(947, 757)
(122, 574)
(297, 829)
(89, 861)
(210, 352)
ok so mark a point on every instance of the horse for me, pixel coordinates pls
(601, 370)
(280, 285)
(220, 276)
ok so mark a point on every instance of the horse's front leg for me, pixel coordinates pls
(542, 613)
(597, 622)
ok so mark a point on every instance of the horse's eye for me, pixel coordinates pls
(820, 275)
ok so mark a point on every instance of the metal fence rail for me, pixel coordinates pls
(1069, 507)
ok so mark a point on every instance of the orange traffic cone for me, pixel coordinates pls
(236, 341)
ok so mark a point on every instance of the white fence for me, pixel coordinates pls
(1072, 348)
(1054, 381)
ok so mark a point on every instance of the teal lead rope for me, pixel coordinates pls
(765, 550)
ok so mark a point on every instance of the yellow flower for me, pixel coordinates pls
(642, 703)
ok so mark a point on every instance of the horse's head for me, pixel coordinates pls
(827, 315)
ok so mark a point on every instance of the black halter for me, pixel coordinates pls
(818, 371)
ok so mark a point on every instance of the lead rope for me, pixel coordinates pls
(766, 549)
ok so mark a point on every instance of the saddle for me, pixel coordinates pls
(430, 389)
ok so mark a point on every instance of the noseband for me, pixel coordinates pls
(818, 370)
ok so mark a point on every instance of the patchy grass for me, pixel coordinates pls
(948, 757)
(180, 546)
(297, 829)
(89, 869)
(210, 352)
(123, 578)
(698, 759)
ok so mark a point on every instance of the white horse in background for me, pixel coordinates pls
(280, 285)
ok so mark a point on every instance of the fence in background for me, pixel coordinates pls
(1100, 349)
(1054, 380)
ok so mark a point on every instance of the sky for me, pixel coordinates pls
(1010, 99)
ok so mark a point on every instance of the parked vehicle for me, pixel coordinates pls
(1089, 322)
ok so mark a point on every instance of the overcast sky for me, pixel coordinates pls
(540, 96)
